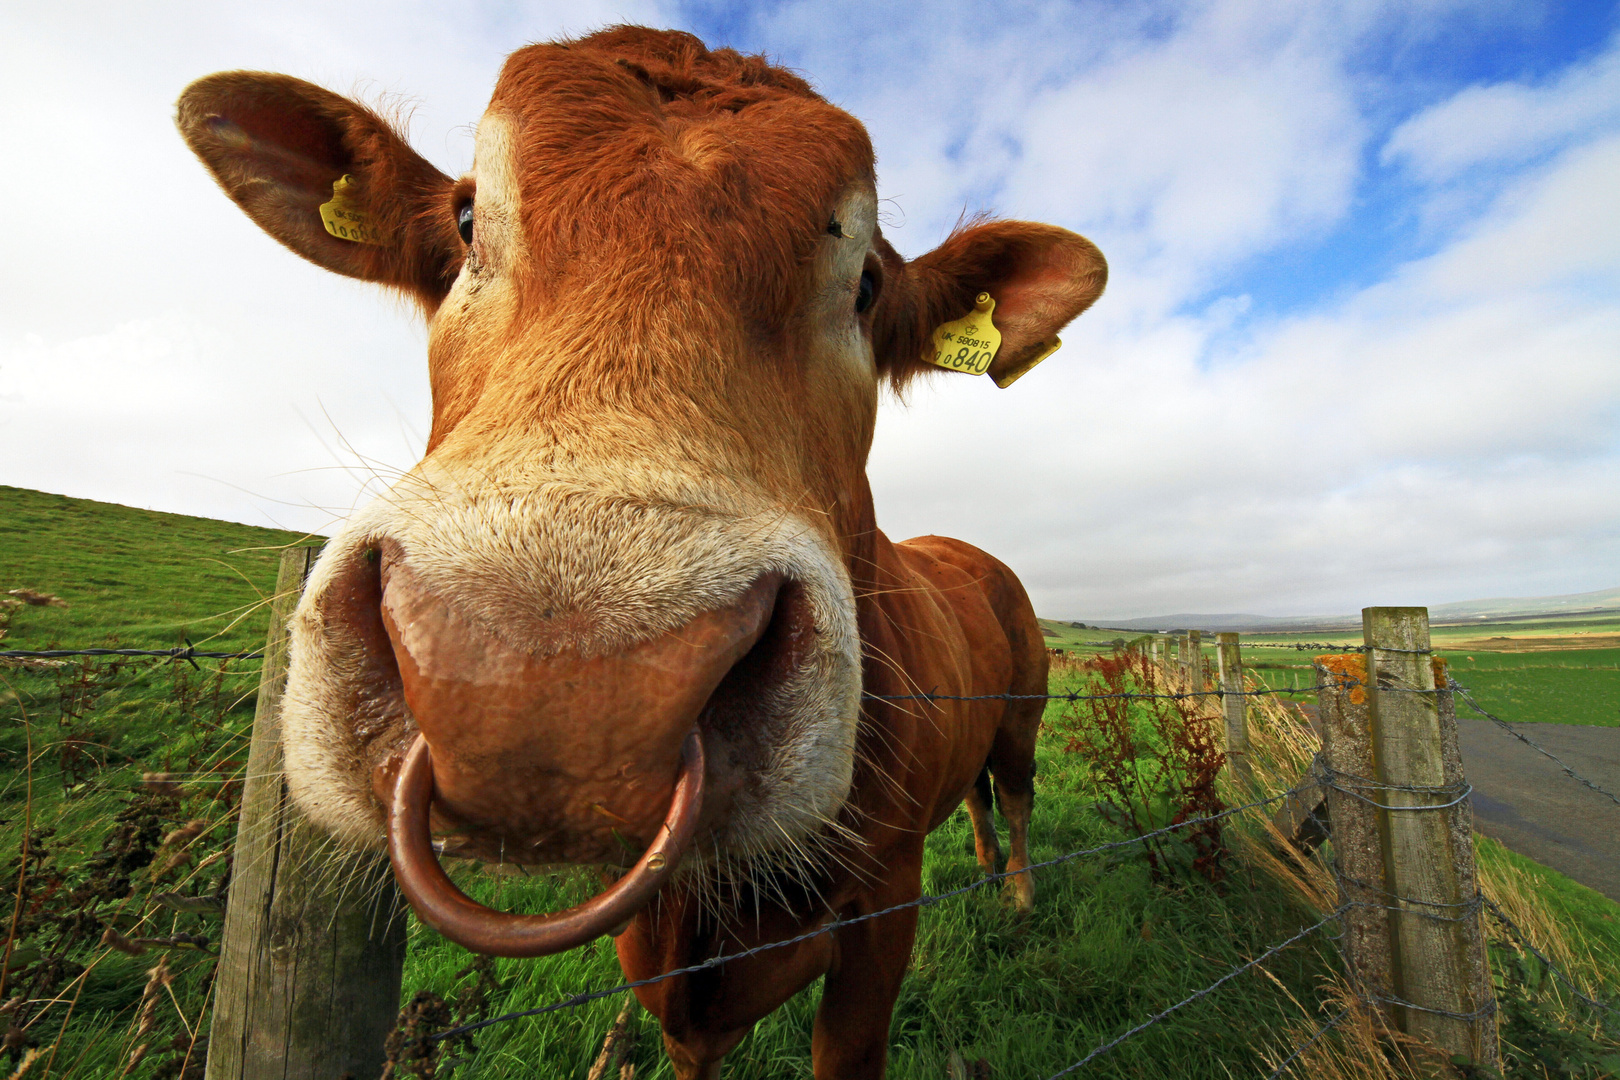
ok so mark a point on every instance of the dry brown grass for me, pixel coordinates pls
(1362, 1045)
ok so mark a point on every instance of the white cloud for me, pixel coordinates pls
(1443, 431)
(1508, 123)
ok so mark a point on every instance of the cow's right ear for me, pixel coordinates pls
(1040, 277)
(278, 145)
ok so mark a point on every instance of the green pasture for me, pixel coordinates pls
(1071, 638)
(1106, 947)
(1576, 686)
(1558, 686)
(145, 579)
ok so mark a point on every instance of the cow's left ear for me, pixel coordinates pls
(1040, 277)
(327, 177)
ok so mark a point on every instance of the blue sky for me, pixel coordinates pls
(1361, 343)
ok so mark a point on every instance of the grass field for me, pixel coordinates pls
(1106, 947)
(150, 580)
(1513, 673)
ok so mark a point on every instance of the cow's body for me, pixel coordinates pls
(938, 616)
(635, 595)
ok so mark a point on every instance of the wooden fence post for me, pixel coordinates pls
(314, 941)
(1235, 705)
(1461, 835)
(1195, 659)
(1342, 699)
(1428, 857)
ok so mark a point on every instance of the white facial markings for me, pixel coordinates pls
(497, 206)
(834, 325)
(484, 297)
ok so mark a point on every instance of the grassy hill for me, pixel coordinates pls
(146, 579)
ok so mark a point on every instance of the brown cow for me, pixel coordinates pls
(635, 595)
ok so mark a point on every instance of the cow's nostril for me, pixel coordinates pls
(776, 657)
(352, 605)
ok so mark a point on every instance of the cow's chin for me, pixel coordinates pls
(560, 745)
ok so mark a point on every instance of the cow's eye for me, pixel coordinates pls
(464, 223)
(867, 292)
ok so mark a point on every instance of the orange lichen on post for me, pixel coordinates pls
(1352, 669)
(1441, 678)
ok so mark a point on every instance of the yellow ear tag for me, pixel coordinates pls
(1005, 377)
(969, 343)
(343, 217)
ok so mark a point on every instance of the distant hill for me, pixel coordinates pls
(1519, 606)
(1603, 600)
(1238, 622)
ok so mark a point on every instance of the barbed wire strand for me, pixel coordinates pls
(1511, 730)
(1103, 1048)
(1342, 683)
(1523, 941)
(1318, 646)
(921, 901)
(1320, 773)
(1308, 1043)
(186, 653)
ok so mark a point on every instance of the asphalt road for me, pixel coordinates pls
(1529, 804)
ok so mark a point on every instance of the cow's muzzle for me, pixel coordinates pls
(471, 925)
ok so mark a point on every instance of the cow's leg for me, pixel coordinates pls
(851, 1039)
(1012, 758)
(688, 1067)
(1016, 807)
(985, 844)
(704, 1015)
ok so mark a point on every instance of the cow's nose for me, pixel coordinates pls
(559, 757)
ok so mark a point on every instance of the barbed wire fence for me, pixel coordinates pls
(1321, 777)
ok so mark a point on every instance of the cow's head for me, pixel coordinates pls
(661, 311)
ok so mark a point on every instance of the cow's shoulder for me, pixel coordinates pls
(960, 567)
(981, 589)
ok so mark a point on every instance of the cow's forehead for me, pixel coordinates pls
(649, 137)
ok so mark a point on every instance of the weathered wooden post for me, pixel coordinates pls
(1235, 705)
(1428, 857)
(1461, 834)
(1195, 659)
(1342, 698)
(313, 945)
